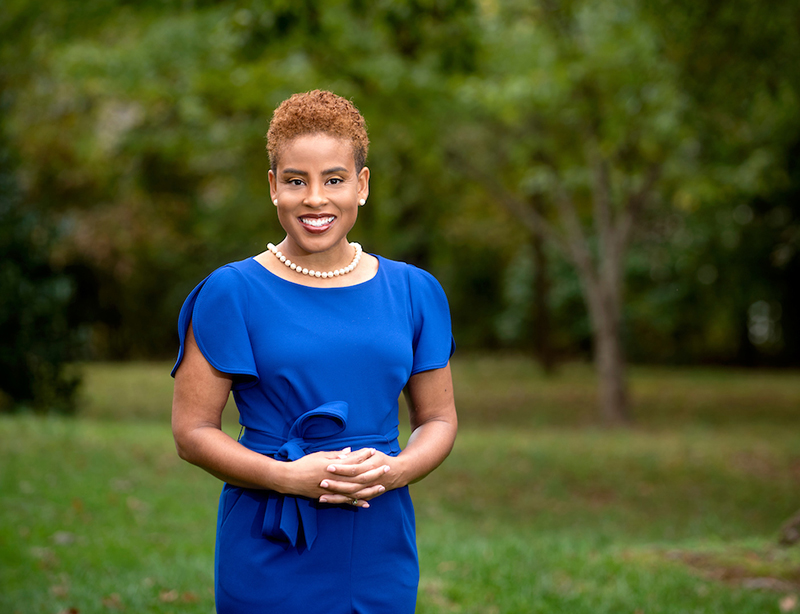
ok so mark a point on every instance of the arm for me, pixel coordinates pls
(199, 397)
(434, 424)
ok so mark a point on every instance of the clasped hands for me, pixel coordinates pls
(344, 476)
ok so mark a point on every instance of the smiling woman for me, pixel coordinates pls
(317, 192)
(315, 514)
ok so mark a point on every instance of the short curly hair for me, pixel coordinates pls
(314, 112)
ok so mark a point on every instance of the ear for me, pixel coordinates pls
(363, 183)
(273, 185)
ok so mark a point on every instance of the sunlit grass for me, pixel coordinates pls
(132, 391)
(538, 509)
(512, 390)
(95, 513)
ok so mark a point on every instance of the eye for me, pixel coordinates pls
(295, 182)
(335, 180)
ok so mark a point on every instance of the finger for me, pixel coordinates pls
(358, 473)
(341, 488)
(370, 493)
(336, 455)
(340, 500)
(365, 480)
(345, 470)
(360, 497)
(343, 500)
(352, 468)
(359, 456)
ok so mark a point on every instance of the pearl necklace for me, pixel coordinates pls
(311, 273)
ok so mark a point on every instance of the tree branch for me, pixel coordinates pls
(601, 199)
(533, 221)
(609, 249)
(577, 243)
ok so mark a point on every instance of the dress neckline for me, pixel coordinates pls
(360, 284)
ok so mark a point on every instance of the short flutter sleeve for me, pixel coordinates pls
(218, 311)
(433, 337)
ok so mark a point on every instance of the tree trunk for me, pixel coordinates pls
(600, 274)
(604, 299)
(610, 364)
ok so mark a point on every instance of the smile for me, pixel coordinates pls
(317, 222)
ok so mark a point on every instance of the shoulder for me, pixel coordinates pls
(414, 274)
(422, 286)
(227, 287)
(229, 277)
(233, 271)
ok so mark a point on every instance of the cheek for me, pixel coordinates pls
(283, 214)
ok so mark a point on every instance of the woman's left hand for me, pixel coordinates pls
(434, 423)
(357, 483)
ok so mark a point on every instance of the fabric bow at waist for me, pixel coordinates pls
(287, 517)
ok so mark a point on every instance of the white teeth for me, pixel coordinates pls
(317, 221)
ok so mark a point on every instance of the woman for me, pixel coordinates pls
(316, 340)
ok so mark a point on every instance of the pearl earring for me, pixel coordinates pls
(275, 201)
(362, 202)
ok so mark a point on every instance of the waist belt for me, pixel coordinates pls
(287, 517)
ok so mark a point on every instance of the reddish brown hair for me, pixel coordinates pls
(314, 112)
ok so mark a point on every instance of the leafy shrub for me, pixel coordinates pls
(37, 339)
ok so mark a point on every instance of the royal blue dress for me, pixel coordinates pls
(317, 369)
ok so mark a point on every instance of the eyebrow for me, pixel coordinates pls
(330, 171)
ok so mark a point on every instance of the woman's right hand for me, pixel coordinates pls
(311, 476)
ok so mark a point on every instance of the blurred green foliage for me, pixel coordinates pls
(704, 95)
(37, 340)
(139, 126)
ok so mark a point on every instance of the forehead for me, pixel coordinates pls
(320, 149)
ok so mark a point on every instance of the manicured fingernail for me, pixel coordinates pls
(332, 468)
(386, 468)
(323, 500)
(365, 505)
(381, 489)
(323, 484)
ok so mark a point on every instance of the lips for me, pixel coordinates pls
(317, 223)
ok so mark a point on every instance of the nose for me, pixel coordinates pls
(316, 195)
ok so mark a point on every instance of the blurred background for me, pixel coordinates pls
(615, 175)
(608, 191)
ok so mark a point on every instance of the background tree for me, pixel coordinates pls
(143, 133)
(643, 148)
(39, 335)
(38, 341)
(584, 108)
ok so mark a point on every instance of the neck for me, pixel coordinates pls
(336, 257)
(317, 267)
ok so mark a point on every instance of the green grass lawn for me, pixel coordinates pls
(538, 509)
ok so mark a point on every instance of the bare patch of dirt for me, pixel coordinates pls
(749, 569)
